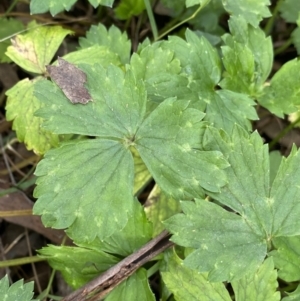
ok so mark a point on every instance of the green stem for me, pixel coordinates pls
(283, 133)
(20, 186)
(283, 47)
(271, 21)
(184, 21)
(151, 19)
(46, 292)
(11, 7)
(20, 261)
(153, 269)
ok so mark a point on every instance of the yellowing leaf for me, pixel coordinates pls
(35, 49)
(20, 107)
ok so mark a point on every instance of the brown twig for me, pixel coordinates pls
(106, 282)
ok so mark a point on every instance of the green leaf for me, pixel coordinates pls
(89, 180)
(282, 95)
(294, 296)
(201, 69)
(284, 197)
(129, 8)
(136, 287)
(78, 265)
(260, 286)
(117, 110)
(201, 53)
(226, 246)
(160, 70)
(136, 233)
(17, 291)
(245, 155)
(286, 257)
(35, 49)
(81, 264)
(190, 70)
(117, 116)
(93, 55)
(260, 213)
(20, 107)
(159, 207)
(189, 285)
(269, 212)
(101, 165)
(171, 152)
(55, 6)
(247, 57)
(116, 41)
(275, 161)
(253, 11)
(228, 108)
(8, 27)
(289, 10)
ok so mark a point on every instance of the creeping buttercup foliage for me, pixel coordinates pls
(16, 291)
(178, 113)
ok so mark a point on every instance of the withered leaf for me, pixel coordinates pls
(71, 80)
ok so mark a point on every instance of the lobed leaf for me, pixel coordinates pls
(117, 110)
(94, 55)
(201, 69)
(201, 53)
(259, 286)
(78, 265)
(27, 126)
(247, 57)
(289, 10)
(249, 192)
(284, 197)
(133, 288)
(189, 285)
(282, 95)
(17, 291)
(260, 212)
(86, 186)
(35, 49)
(226, 246)
(55, 6)
(160, 71)
(228, 108)
(168, 142)
(136, 233)
(286, 257)
(253, 11)
(116, 41)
